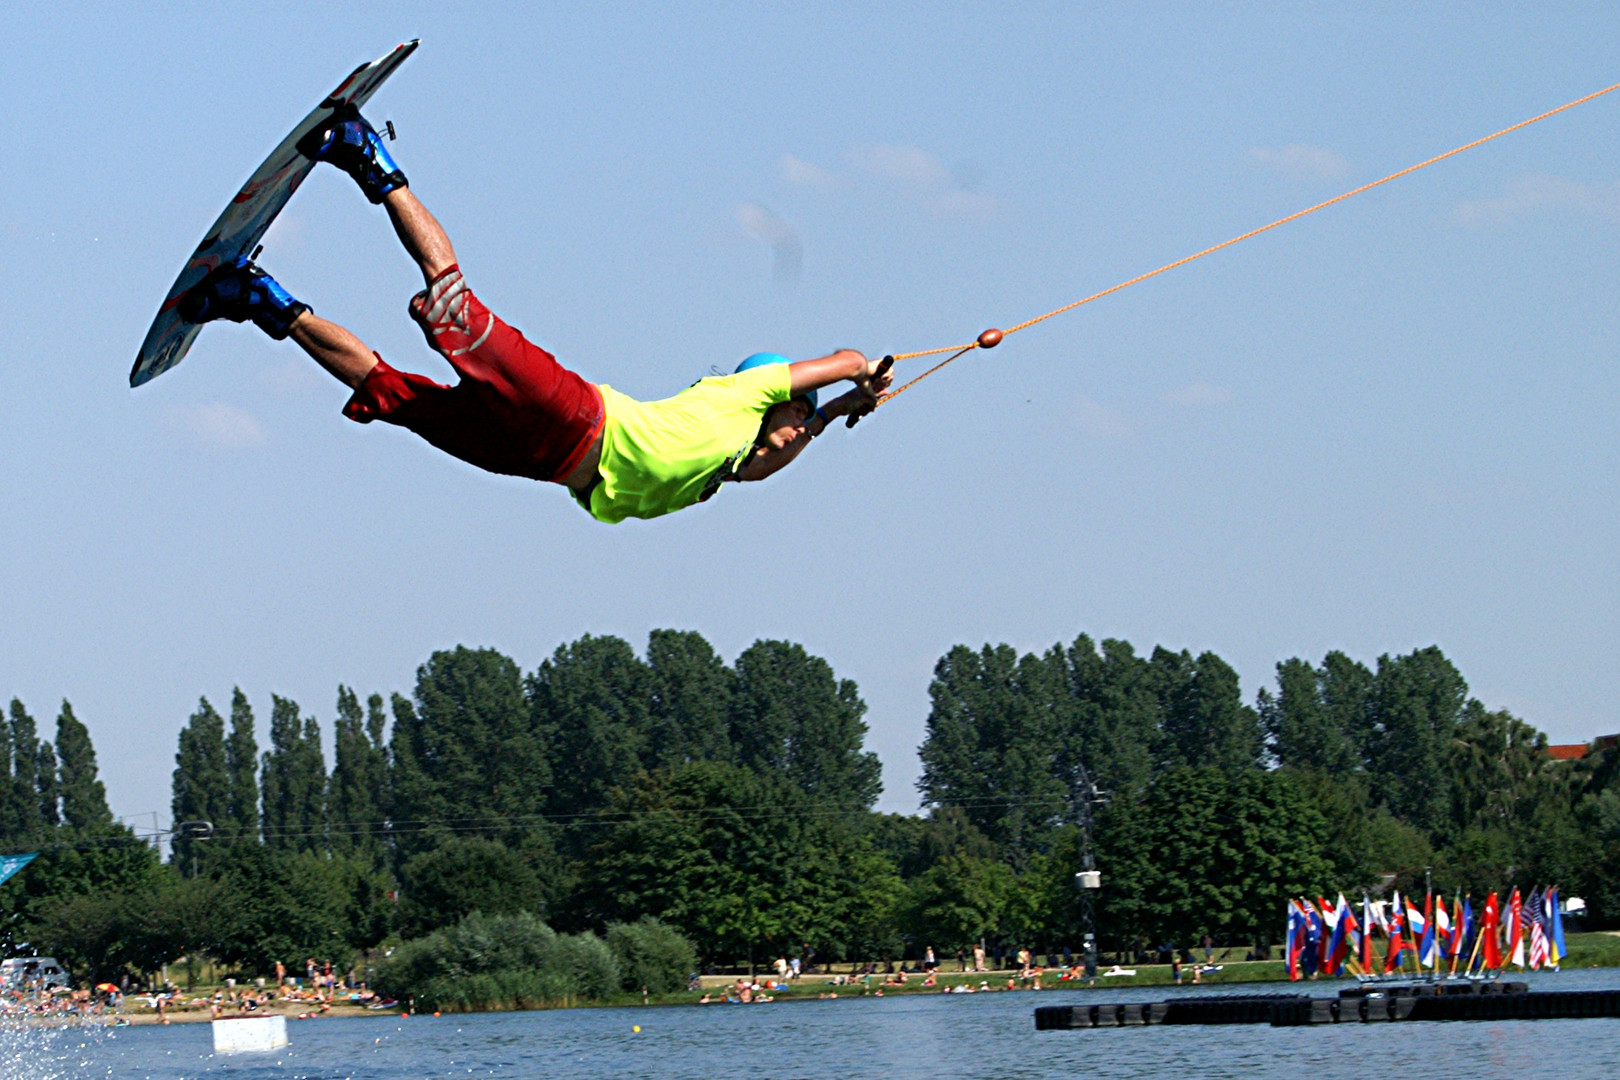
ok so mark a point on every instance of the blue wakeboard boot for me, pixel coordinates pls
(354, 146)
(240, 291)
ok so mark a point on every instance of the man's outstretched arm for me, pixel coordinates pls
(789, 427)
(843, 364)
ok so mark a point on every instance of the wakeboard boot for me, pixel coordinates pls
(240, 291)
(353, 145)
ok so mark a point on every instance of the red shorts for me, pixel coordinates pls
(515, 411)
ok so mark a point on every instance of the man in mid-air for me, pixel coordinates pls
(515, 409)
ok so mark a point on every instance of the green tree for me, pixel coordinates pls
(466, 753)
(96, 861)
(201, 790)
(592, 699)
(1417, 701)
(1303, 730)
(49, 785)
(294, 781)
(464, 875)
(689, 700)
(1208, 852)
(1113, 724)
(728, 856)
(10, 805)
(914, 845)
(1205, 721)
(25, 825)
(84, 797)
(1346, 688)
(242, 769)
(359, 775)
(791, 717)
(958, 902)
(283, 905)
(992, 730)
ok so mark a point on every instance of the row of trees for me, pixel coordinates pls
(734, 802)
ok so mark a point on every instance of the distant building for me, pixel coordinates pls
(1576, 751)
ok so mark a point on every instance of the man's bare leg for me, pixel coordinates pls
(424, 238)
(334, 348)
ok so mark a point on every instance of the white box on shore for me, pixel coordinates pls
(238, 1034)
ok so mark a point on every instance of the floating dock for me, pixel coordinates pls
(1444, 1001)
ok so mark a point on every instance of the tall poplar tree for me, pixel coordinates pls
(360, 762)
(24, 773)
(84, 797)
(991, 748)
(1417, 704)
(591, 698)
(9, 812)
(294, 780)
(1113, 725)
(792, 717)
(242, 768)
(689, 700)
(201, 786)
(1205, 720)
(45, 779)
(467, 750)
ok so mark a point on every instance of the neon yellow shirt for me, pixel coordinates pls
(663, 456)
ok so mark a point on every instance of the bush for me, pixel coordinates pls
(499, 962)
(651, 954)
(587, 962)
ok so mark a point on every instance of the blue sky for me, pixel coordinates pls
(1389, 425)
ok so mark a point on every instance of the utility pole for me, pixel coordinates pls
(1089, 879)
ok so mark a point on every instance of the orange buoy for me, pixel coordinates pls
(990, 338)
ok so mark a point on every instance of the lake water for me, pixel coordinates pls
(945, 1036)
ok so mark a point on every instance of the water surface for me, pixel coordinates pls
(960, 1037)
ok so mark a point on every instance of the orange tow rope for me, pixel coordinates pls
(991, 338)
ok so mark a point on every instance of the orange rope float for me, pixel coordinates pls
(991, 338)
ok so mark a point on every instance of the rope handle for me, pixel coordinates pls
(882, 369)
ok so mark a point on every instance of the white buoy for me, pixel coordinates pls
(241, 1034)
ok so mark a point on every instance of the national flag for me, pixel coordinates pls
(1462, 932)
(1515, 929)
(1310, 958)
(1366, 934)
(1392, 957)
(1330, 923)
(1442, 932)
(1417, 930)
(1490, 934)
(10, 864)
(1345, 937)
(1554, 906)
(1428, 951)
(1296, 939)
(1535, 917)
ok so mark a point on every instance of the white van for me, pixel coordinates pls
(31, 972)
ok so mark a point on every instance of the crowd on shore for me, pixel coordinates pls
(61, 1004)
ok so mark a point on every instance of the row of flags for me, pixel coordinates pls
(1330, 938)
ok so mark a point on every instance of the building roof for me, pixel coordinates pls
(1576, 751)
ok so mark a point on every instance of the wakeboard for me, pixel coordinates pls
(243, 224)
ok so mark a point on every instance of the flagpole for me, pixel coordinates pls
(1458, 928)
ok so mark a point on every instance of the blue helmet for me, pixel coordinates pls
(760, 359)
